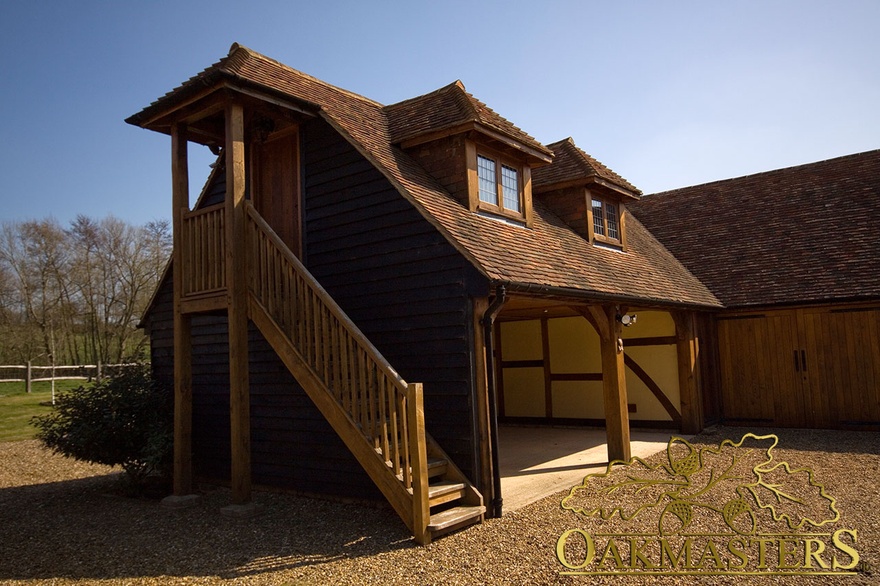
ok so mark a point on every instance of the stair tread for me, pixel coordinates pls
(445, 487)
(437, 467)
(454, 516)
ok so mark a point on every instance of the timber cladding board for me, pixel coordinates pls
(279, 458)
(807, 367)
(407, 290)
(446, 161)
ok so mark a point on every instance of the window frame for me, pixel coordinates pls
(619, 211)
(523, 187)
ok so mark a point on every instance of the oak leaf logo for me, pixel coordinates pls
(740, 482)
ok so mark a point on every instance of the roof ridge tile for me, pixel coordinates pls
(572, 163)
(236, 47)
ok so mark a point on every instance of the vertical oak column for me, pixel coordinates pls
(687, 349)
(182, 336)
(481, 399)
(236, 291)
(604, 319)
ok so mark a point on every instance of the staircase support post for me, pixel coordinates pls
(236, 291)
(182, 340)
(419, 458)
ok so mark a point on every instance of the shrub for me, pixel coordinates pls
(125, 420)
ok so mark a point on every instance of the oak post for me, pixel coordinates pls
(182, 335)
(421, 508)
(604, 319)
(687, 349)
(236, 292)
(481, 402)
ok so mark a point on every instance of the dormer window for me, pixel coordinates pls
(605, 220)
(499, 185)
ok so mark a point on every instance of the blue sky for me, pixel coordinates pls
(668, 94)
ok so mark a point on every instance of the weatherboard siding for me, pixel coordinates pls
(398, 279)
(292, 446)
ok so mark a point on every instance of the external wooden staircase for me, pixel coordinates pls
(377, 414)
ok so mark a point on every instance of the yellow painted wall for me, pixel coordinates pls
(650, 324)
(521, 340)
(578, 399)
(660, 362)
(574, 348)
(524, 394)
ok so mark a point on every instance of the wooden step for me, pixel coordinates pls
(455, 518)
(444, 492)
(436, 467)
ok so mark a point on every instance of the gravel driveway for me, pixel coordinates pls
(60, 523)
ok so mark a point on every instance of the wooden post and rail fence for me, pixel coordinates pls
(29, 373)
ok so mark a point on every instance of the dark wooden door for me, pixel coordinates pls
(276, 186)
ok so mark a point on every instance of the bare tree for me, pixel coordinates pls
(78, 293)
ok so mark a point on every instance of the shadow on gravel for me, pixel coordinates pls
(79, 529)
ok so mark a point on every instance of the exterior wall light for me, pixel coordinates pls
(626, 320)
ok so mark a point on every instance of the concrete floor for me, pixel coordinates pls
(537, 462)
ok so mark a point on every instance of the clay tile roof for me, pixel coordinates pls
(549, 254)
(248, 67)
(449, 107)
(572, 164)
(803, 234)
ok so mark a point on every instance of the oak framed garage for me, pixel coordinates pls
(794, 257)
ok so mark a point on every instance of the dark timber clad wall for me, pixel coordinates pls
(292, 445)
(397, 277)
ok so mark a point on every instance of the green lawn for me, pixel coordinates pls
(17, 407)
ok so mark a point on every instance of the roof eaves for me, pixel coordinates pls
(595, 295)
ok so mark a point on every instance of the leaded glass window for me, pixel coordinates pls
(510, 188)
(606, 221)
(611, 219)
(598, 218)
(499, 186)
(486, 172)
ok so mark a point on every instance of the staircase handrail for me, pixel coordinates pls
(344, 360)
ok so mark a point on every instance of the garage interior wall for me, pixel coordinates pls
(551, 369)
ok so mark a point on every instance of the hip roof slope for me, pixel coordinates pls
(809, 233)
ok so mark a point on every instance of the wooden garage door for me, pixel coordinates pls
(802, 368)
(844, 344)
